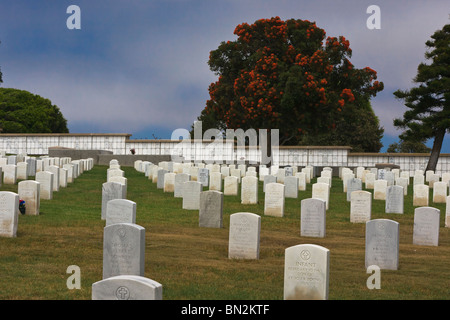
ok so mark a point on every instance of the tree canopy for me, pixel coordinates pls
(408, 146)
(287, 75)
(24, 112)
(428, 114)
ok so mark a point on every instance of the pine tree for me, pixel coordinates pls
(428, 114)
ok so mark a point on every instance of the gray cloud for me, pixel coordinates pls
(144, 64)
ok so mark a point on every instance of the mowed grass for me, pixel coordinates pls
(192, 263)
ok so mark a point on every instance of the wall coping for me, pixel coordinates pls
(373, 154)
(63, 134)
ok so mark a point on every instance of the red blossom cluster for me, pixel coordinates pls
(257, 91)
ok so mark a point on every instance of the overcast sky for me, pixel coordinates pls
(140, 66)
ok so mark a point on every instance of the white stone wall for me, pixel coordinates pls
(222, 151)
(38, 144)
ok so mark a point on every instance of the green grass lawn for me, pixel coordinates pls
(192, 263)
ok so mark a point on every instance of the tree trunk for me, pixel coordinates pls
(435, 152)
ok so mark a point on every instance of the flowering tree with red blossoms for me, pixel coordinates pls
(284, 75)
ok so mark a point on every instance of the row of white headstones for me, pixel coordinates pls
(245, 227)
(51, 175)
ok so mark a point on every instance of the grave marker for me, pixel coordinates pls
(360, 206)
(312, 218)
(440, 192)
(274, 200)
(291, 184)
(45, 178)
(120, 211)
(126, 287)
(379, 189)
(180, 179)
(191, 195)
(123, 250)
(111, 191)
(169, 182)
(9, 214)
(354, 184)
(230, 186)
(29, 191)
(321, 191)
(243, 241)
(306, 272)
(249, 190)
(421, 195)
(394, 199)
(426, 226)
(211, 208)
(382, 244)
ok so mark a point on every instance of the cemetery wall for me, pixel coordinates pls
(120, 144)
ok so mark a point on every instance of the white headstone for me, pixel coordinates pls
(268, 179)
(360, 206)
(313, 218)
(9, 214)
(281, 174)
(426, 226)
(55, 171)
(126, 287)
(191, 195)
(354, 184)
(22, 171)
(123, 250)
(45, 178)
(120, 211)
(419, 179)
(421, 195)
(274, 200)
(9, 174)
(203, 176)
(369, 180)
(306, 272)
(394, 199)
(161, 173)
(180, 179)
(382, 244)
(440, 192)
(291, 184)
(301, 181)
(249, 190)
(321, 191)
(345, 178)
(243, 242)
(211, 209)
(379, 189)
(231, 186)
(110, 191)
(169, 182)
(29, 191)
(403, 182)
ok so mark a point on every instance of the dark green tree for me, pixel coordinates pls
(357, 126)
(408, 146)
(428, 114)
(24, 112)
